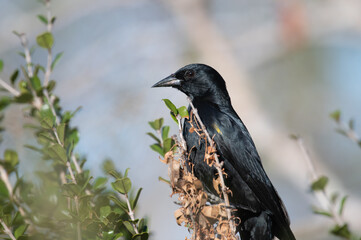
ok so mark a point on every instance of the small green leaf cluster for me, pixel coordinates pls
(336, 203)
(136, 228)
(346, 129)
(175, 112)
(164, 143)
(320, 184)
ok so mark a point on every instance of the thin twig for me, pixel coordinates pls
(131, 214)
(5, 178)
(183, 144)
(76, 164)
(321, 196)
(7, 230)
(46, 93)
(218, 166)
(37, 102)
(349, 132)
(9, 88)
(71, 172)
(24, 43)
(183, 141)
(48, 65)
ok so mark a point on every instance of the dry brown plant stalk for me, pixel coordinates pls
(206, 221)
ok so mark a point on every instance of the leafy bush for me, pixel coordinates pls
(65, 201)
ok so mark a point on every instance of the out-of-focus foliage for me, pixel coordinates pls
(332, 205)
(65, 201)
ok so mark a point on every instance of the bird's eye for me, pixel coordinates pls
(188, 74)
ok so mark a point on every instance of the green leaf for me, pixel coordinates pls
(56, 60)
(183, 112)
(342, 204)
(11, 157)
(4, 102)
(23, 86)
(126, 172)
(53, 20)
(25, 73)
(33, 148)
(129, 226)
(57, 152)
(157, 124)
(320, 183)
(60, 129)
(170, 106)
(100, 182)
(341, 231)
(174, 117)
(17, 34)
(165, 132)
(167, 144)
(164, 180)
(35, 82)
(45, 40)
(105, 211)
(108, 165)
(3, 190)
(38, 68)
(43, 19)
(1, 65)
(135, 201)
(122, 185)
(322, 212)
(153, 136)
(51, 85)
(157, 148)
(336, 115)
(46, 136)
(141, 236)
(47, 122)
(334, 197)
(71, 189)
(25, 97)
(118, 202)
(20, 231)
(22, 54)
(115, 174)
(141, 226)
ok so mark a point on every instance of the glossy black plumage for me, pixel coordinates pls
(260, 208)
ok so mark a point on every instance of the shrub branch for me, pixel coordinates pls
(218, 166)
(7, 230)
(321, 195)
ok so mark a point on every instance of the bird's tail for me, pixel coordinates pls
(286, 234)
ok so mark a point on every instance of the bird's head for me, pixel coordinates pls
(197, 81)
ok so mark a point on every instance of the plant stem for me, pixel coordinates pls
(131, 214)
(9, 88)
(7, 230)
(321, 196)
(218, 166)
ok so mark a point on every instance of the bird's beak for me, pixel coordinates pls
(170, 81)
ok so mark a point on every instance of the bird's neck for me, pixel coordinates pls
(217, 99)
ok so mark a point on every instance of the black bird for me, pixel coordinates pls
(262, 213)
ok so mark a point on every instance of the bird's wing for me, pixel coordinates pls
(236, 146)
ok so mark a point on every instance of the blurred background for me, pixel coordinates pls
(287, 65)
